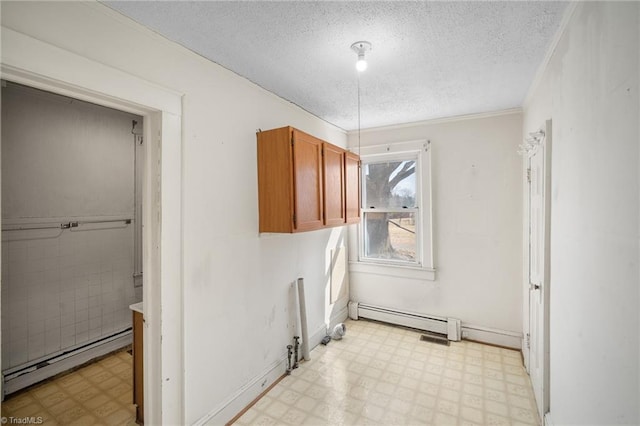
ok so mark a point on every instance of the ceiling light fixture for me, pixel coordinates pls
(361, 47)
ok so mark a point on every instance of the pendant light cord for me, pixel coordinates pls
(359, 114)
(360, 47)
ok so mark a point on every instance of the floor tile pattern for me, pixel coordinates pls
(384, 375)
(98, 394)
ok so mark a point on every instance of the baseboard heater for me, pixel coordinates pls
(449, 327)
(20, 377)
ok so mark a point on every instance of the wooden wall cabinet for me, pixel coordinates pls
(303, 182)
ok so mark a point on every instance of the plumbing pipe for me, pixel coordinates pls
(303, 321)
(296, 345)
(289, 359)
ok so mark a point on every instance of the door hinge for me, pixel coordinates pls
(528, 340)
(529, 175)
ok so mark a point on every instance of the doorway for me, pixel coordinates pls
(538, 151)
(82, 78)
(71, 232)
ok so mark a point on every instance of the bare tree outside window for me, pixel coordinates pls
(390, 210)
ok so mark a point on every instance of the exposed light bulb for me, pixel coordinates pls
(361, 65)
(360, 47)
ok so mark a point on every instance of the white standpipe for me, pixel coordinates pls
(303, 320)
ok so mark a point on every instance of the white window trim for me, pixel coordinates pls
(423, 269)
(396, 271)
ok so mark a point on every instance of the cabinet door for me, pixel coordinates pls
(334, 174)
(307, 174)
(275, 180)
(352, 187)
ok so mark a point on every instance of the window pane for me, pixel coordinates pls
(390, 236)
(390, 184)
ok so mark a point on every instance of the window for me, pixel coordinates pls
(391, 228)
(394, 237)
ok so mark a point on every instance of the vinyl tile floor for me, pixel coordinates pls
(384, 375)
(98, 394)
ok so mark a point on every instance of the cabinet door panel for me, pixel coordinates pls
(275, 180)
(307, 168)
(352, 187)
(333, 158)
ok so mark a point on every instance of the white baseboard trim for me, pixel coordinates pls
(437, 324)
(245, 395)
(547, 419)
(492, 336)
(317, 336)
(65, 363)
(338, 317)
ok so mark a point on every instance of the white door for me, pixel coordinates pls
(539, 215)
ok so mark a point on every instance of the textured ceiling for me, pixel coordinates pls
(429, 59)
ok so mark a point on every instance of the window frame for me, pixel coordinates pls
(410, 155)
(427, 272)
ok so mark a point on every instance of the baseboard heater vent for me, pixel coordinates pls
(435, 338)
(25, 375)
(449, 327)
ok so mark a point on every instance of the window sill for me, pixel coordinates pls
(396, 271)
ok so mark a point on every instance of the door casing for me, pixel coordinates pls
(537, 263)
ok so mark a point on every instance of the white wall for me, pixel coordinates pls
(477, 217)
(65, 158)
(236, 296)
(590, 91)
